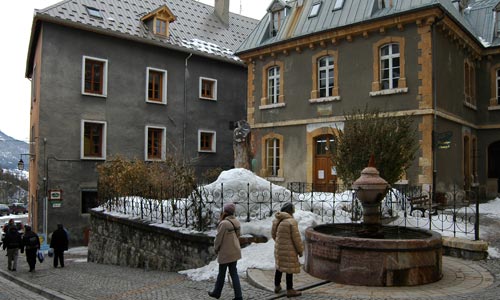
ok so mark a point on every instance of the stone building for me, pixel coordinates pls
(311, 61)
(138, 78)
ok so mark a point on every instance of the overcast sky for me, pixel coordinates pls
(16, 17)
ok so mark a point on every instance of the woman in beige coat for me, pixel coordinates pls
(288, 246)
(227, 247)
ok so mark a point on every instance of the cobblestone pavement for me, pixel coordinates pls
(82, 280)
(10, 290)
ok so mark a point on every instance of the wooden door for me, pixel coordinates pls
(325, 175)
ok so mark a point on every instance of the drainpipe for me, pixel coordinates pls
(184, 125)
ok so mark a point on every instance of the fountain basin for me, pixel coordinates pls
(403, 257)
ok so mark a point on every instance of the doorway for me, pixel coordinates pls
(325, 174)
(494, 162)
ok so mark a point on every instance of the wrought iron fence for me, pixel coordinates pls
(456, 211)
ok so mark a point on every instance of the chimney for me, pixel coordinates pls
(222, 10)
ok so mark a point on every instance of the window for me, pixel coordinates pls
(389, 66)
(206, 141)
(94, 77)
(89, 200)
(338, 4)
(325, 76)
(272, 156)
(273, 84)
(315, 10)
(469, 83)
(208, 88)
(155, 143)
(277, 19)
(94, 12)
(160, 27)
(156, 90)
(93, 140)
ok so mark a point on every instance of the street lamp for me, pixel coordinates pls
(20, 164)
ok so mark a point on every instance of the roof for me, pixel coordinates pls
(477, 19)
(196, 28)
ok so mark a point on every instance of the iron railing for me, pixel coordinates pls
(457, 212)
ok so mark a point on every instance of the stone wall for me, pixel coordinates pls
(137, 244)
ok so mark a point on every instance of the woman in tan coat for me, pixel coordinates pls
(227, 247)
(288, 246)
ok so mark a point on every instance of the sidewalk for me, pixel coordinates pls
(81, 280)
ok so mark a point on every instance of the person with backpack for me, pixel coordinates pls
(12, 242)
(31, 243)
(59, 242)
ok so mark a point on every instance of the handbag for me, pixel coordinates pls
(51, 252)
(40, 256)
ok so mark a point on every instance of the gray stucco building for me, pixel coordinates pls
(138, 78)
(311, 61)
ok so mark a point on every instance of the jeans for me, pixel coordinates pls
(233, 272)
(12, 258)
(289, 279)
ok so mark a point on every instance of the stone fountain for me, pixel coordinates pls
(372, 254)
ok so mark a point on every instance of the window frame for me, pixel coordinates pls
(390, 58)
(469, 84)
(264, 101)
(213, 142)
(157, 30)
(313, 11)
(495, 87)
(273, 91)
(102, 156)
(214, 88)
(315, 92)
(338, 5)
(327, 69)
(377, 82)
(163, 96)
(265, 172)
(94, 12)
(104, 83)
(163, 145)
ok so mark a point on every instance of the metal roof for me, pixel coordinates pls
(196, 28)
(478, 19)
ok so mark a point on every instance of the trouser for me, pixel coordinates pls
(12, 255)
(289, 279)
(58, 256)
(31, 258)
(233, 272)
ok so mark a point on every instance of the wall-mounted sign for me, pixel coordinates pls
(55, 195)
(444, 140)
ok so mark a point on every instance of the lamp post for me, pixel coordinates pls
(20, 164)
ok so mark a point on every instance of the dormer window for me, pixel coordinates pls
(315, 10)
(278, 13)
(158, 20)
(497, 20)
(94, 12)
(160, 27)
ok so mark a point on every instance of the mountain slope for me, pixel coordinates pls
(10, 150)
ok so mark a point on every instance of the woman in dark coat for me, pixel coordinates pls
(59, 242)
(31, 243)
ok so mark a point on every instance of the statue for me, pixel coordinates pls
(241, 144)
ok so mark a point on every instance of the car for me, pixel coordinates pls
(4, 210)
(18, 208)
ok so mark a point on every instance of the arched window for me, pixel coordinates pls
(273, 84)
(325, 76)
(389, 66)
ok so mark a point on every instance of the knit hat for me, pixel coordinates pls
(288, 208)
(229, 208)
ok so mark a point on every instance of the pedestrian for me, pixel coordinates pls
(288, 246)
(228, 250)
(10, 224)
(12, 242)
(59, 242)
(31, 243)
